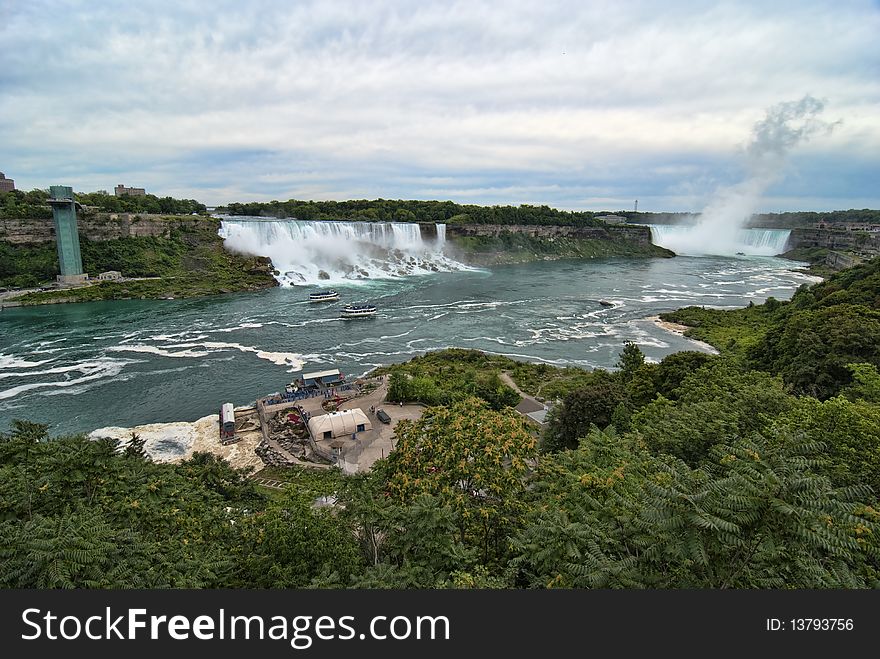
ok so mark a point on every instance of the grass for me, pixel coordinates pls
(548, 382)
(189, 262)
(732, 331)
(453, 368)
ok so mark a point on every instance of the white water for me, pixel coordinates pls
(306, 252)
(692, 241)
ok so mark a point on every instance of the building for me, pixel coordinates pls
(6, 184)
(66, 235)
(339, 424)
(319, 380)
(532, 409)
(110, 275)
(227, 424)
(612, 219)
(122, 191)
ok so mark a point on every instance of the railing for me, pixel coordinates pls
(306, 393)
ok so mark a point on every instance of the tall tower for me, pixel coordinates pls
(66, 235)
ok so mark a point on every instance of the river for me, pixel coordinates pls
(82, 366)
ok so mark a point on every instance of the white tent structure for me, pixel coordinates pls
(339, 424)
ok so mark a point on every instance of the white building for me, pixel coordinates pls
(110, 275)
(339, 424)
(612, 219)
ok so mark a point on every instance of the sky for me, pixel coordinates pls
(574, 104)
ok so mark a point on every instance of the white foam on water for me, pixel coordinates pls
(187, 350)
(161, 352)
(96, 370)
(85, 367)
(236, 328)
(188, 336)
(10, 361)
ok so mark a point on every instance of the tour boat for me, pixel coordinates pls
(323, 296)
(358, 310)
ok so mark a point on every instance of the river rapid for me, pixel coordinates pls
(83, 366)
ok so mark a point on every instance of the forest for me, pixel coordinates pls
(391, 210)
(755, 468)
(27, 205)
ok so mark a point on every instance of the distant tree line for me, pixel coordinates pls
(789, 220)
(19, 204)
(390, 210)
(140, 204)
(33, 205)
(808, 218)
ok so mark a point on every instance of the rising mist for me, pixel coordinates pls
(720, 226)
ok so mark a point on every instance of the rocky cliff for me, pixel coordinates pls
(856, 241)
(487, 244)
(639, 235)
(158, 256)
(99, 227)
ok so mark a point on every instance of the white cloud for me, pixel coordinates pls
(367, 92)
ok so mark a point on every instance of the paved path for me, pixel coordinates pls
(506, 379)
(377, 443)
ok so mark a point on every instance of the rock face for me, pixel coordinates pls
(634, 234)
(859, 241)
(841, 261)
(98, 227)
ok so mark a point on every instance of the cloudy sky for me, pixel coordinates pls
(576, 104)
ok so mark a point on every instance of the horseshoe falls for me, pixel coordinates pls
(305, 252)
(702, 240)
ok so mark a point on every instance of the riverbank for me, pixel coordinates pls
(177, 441)
(170, 258)
(682, 330)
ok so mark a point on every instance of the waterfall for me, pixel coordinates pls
(695, 241)
(306, 252)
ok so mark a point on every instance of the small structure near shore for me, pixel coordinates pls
(227, 425)
(319, 380)
(110, 275)
(339, 424)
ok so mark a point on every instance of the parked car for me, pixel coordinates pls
(382, 415)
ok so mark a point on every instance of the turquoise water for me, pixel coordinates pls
(79, 367)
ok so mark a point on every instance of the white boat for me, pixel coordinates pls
(323, 296)
(358, 310)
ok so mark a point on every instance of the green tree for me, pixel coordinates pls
(752, 516)
(472, 459)
(290, 544)
(716, 404)
(865, 385)
(849, 432)
(589, 405)
(672, 371)
(630, 361)
(812, 349)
